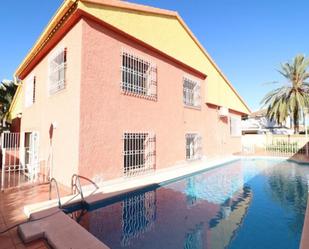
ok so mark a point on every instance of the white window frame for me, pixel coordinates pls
(30, 91)
(194, 150)
(57, 70)
(191, 92)
(139, 152)
(138, 76)
(235, 126)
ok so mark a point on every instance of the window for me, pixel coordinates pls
(193, 146)
(57, 69)
(235, 126)
(138, 152)
(191, 93)
(138, 76)
(30, 91)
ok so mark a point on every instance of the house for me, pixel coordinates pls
(258, 123)
(113, 89)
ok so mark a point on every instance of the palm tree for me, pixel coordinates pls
(7, 91)
(292, 98)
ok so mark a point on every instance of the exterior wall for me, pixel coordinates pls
(16, 105)
(61, 109)
(15, 125)
(106, 113)
(173, 37)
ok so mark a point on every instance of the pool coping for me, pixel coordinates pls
(114, 187)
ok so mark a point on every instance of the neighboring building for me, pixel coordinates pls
(258, 123)
(112, 89)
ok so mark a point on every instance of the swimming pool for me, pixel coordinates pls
(246, 204)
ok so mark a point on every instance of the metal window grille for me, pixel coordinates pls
(235, 126)
(57, 71)
(10, 140)
(193, 146)
(138, 216)
(138, 153)
(138, 76)
(30, 91)
(33, 90)
(191, 92)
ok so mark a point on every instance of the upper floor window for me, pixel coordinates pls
(138, 76)
(30, 91)
(57, 69)
(193, 146)
(191, 92)
(235, 126)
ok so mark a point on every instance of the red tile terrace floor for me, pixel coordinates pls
(11, 213)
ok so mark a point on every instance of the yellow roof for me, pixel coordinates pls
(161, 29)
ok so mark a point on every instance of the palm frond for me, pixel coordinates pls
(289, 100)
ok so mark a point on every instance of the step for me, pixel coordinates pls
(59, 230)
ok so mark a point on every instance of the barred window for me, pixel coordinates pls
(57, 70)
(30, 91)
(138, 153)
(235, 126)
(193, 146)
(138, 76)
(191, 93)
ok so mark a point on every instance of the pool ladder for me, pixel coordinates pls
(53, 180)
(75, 187)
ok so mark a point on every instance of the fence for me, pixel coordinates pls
(19, 161)
(275, 145)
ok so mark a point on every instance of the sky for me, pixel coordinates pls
(248, 39)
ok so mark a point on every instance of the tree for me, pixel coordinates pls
(293, 97)
(7, 91)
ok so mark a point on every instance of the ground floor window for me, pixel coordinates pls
(193, 146)
(138, 152)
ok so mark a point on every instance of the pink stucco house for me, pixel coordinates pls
(114, 89)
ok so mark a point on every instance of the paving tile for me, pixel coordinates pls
(35, 245)
(14, 236)
(6, 241)
(12, 203)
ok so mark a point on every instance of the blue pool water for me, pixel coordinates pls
(247, 204)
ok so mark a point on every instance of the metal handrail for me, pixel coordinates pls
(53, 180)
(76, 178)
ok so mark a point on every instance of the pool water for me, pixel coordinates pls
(246, 204)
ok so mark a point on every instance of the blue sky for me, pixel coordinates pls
(247, 39)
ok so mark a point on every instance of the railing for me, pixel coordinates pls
(276, 145)
(76, 185)
(53, 181)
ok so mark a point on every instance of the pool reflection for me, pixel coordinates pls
(138, 216)
(205, 211)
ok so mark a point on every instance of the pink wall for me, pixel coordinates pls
(61, 109)
(106, 113)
